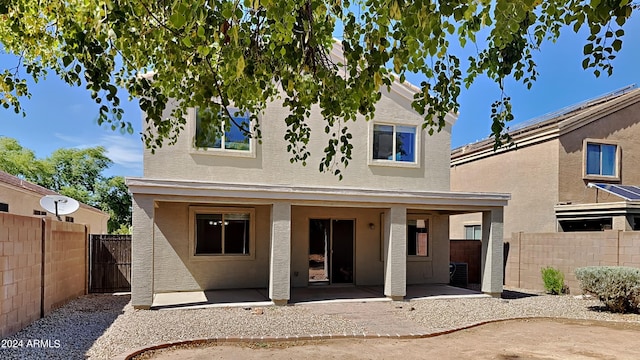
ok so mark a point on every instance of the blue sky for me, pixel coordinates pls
(62, 116)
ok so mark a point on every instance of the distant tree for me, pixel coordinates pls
(21, 162)
(76, 173)
(80, 169)
(113, 195)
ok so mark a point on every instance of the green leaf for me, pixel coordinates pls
(617, 44)
(240, 66)
(177, 20)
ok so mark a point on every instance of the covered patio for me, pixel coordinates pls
(387, 241)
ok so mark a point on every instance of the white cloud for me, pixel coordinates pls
(124, 150)
(67, 138)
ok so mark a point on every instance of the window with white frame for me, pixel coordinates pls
(233, 134)
(473, 232)
(395, 143)
(418, 237)
(601, 159)
(220, 232)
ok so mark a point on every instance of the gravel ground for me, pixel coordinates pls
(101, 326)
(441, 315)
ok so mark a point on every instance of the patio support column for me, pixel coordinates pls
(395, 252)
(280, 259)
(492, 251)
(142, 252)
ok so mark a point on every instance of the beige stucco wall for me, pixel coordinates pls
(23, 202)
(621, 127)
(529, 173)
(175, 270)
(271, 163)
(436, 268)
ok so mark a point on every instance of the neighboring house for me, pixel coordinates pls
(21, 197)
(238, 214)
(564, 172)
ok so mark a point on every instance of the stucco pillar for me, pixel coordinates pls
(280, 259)
(395, 252)
(622, 222)
(142, 253)
(492, 252)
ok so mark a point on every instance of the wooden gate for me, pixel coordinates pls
(109, 263)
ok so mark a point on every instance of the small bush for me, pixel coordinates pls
(553, 280)
(618, 287)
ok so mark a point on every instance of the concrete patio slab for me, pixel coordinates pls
(310, 295)
(212, 298)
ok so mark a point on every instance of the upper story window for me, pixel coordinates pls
(4, 207)
(395, 143)
(601, 160)
(232, 136)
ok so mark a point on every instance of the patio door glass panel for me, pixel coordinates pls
(331, 251)
(342, 251)
(319, 241)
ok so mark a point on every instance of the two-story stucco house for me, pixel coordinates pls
(568, 171)
(235, 213)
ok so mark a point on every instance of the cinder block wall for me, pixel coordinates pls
(21, 268)
(20, 264)
(65, 263)
(528, 253)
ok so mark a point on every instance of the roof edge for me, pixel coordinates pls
(539, 132)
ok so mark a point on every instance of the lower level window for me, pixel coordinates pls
(222, 233)
(418, 237)
(473, 232)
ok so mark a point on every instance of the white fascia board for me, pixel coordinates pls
(306, 195)
(487, 150)
(594, 209)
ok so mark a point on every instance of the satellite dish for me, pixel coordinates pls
(59, 205)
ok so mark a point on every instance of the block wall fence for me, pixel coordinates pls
(30, 287)
(527, 253)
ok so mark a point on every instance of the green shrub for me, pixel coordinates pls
(618, 287)
(553, 280)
